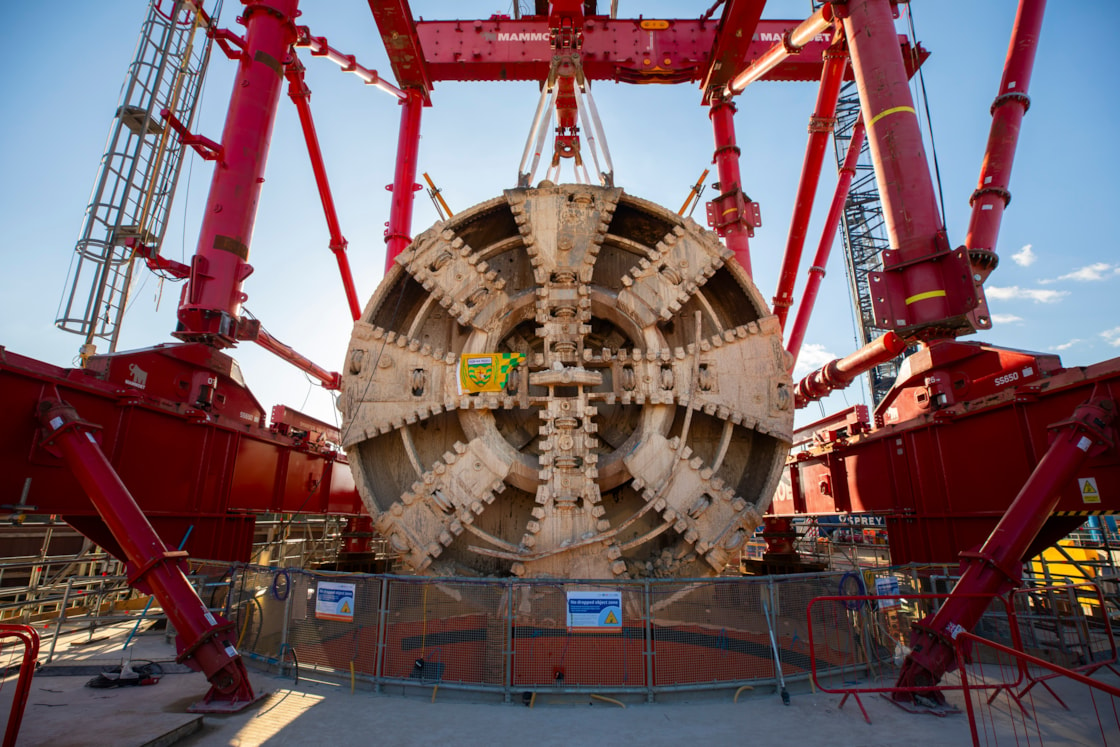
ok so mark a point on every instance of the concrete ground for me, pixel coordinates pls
(62, 711)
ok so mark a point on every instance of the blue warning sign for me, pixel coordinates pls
(595, 609)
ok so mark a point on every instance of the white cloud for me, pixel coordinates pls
(811, 357)
(1006, 318)
(1066, 345)
(1112, 336)
(1089, 273)
(1038, 295)
(1024, 257)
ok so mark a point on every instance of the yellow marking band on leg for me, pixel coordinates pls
(924, 296)
(893, 110)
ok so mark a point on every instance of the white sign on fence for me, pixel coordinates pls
(887, 586)
(334, 601)
(595, 609)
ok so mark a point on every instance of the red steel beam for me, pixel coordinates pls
(824, 248)
(205, 640)
(404, 186)
(843, 371)
(211, 305)
(639, 51)
(399, 35)
(791, 43)
(992, 195)
(157, 262)
(995, 568)
(301, 97)
(737, 29)
(820, 127)
(329, 379)
(320, 48)
(926, 288)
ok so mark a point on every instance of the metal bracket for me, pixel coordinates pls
(732, 209)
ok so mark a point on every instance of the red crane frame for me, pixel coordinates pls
(186, 403)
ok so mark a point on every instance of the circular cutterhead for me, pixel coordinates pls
(566, 381)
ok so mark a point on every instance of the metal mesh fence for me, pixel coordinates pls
(709, 632)
(325, 641)
(512, 636)
(445, 631)
(547, 651)
(1067, 625)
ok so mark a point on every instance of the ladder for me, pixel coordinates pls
(135, 184)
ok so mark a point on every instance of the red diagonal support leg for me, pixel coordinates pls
(996, 567)
(204, 640)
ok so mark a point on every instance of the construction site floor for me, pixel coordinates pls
(62, 711)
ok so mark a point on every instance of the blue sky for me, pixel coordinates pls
(1057, 288)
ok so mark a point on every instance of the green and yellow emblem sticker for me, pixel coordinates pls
(486, 372)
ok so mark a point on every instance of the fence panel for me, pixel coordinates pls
(446, 630)
(328, 632)
(256, 610)
(709, 632)
(789, 600)
(509, 635)
(549, 653)
(1068, 625)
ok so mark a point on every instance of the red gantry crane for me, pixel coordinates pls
(84, 437)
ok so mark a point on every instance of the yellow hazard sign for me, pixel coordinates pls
(610, 618)
(1089, 491)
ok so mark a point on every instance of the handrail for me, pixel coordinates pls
(30, 641)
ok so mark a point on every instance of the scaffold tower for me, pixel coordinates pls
(865, 237)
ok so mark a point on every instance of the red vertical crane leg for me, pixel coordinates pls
(205, 640)
(210, 308)
(398, 231)
(820, 259)
(996, 567)
(820, 127)
(731, 213)
(925, 285)
(991, 195)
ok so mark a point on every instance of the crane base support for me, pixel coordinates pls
(216, 702)
(996, 568)
(204, 639)
(924, 705)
